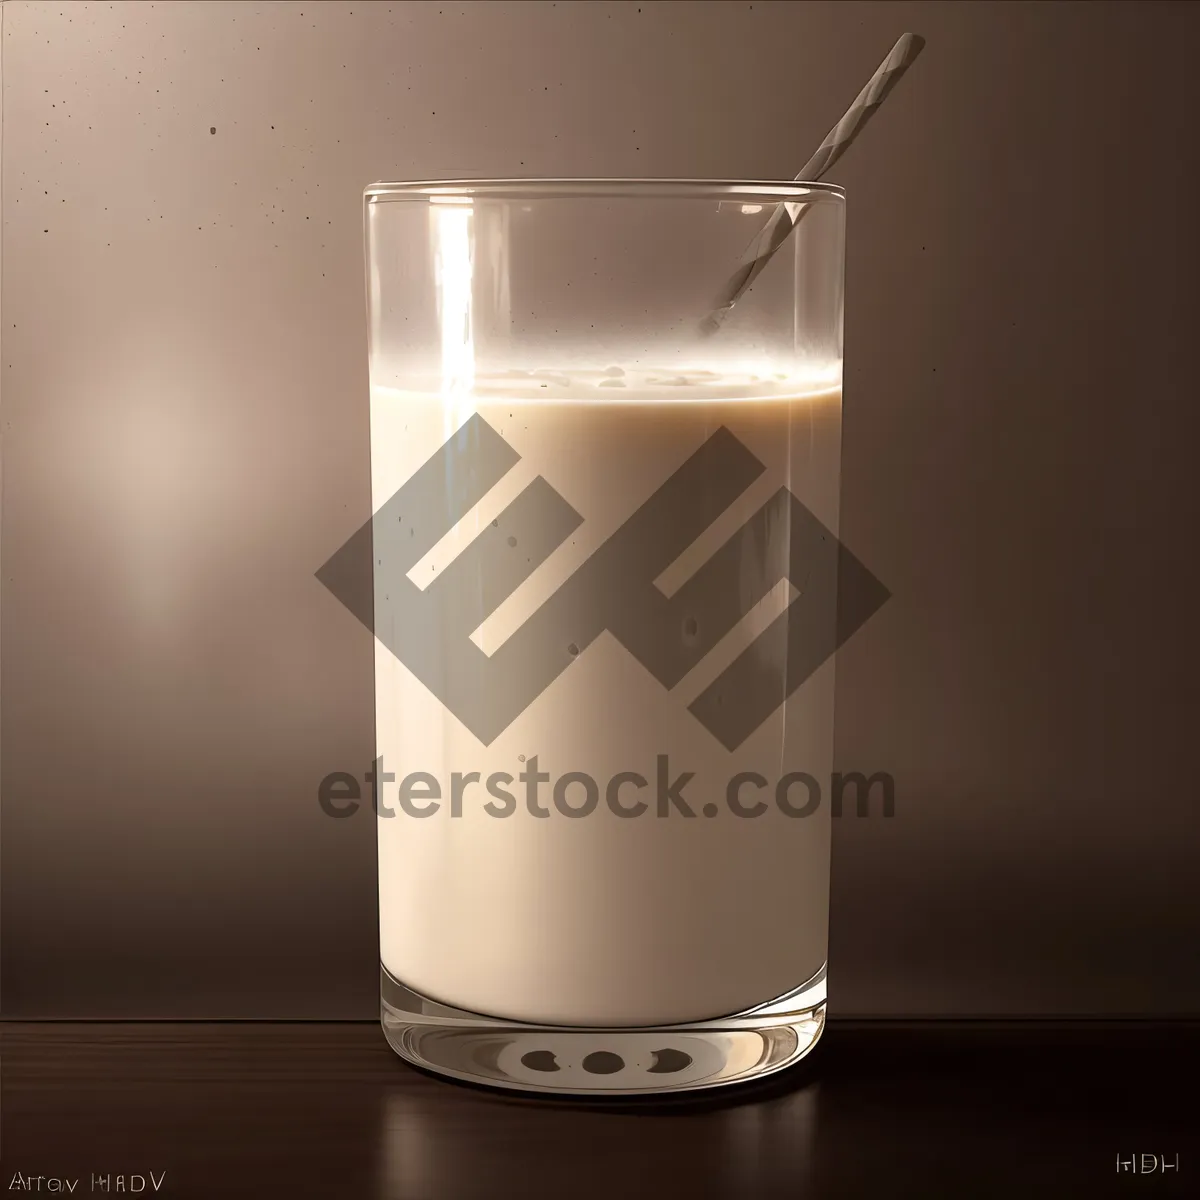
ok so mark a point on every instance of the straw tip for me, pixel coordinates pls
(914, 43)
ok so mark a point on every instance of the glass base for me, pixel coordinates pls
(582, 1061)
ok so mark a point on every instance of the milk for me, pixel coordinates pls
(520, 910)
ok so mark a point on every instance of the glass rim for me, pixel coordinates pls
(749, 190)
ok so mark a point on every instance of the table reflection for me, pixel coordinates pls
(449, 1140)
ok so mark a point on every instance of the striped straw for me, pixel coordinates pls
(837, 141)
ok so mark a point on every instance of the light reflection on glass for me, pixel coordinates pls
(451, 221)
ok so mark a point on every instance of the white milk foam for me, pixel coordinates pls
(617, 385)
(657, 384)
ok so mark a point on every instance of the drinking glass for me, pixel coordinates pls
(606, 568)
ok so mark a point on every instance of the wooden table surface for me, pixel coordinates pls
(308, 1109)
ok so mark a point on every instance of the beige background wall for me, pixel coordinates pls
(185, 436)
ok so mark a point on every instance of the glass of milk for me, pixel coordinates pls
(605, 589)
